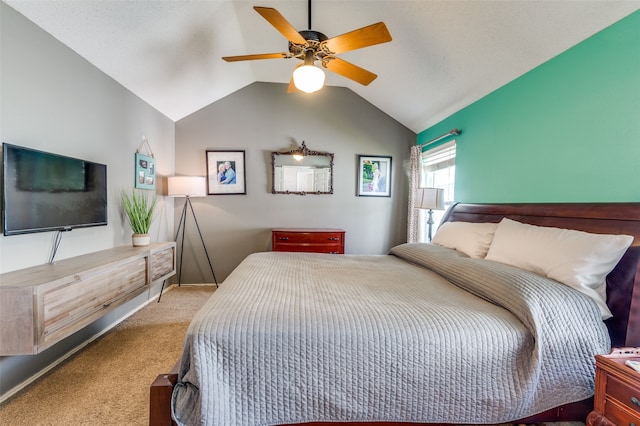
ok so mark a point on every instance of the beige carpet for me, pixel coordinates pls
(107, 383)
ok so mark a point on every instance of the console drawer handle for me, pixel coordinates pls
(283, 238)
(635, 401)
(334, 238)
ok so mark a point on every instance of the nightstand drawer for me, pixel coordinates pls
(624, 394)
(619, 414)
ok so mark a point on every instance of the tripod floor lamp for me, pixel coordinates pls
(188, 187)
(430, 199)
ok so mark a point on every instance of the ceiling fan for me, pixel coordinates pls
(310, 46)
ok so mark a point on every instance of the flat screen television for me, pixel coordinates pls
(42, 191)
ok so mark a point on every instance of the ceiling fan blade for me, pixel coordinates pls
(348, 70)
(357, 39)
(281, 24)
(257, 56)
(292, 87)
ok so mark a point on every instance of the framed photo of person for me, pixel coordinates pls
(226, 173)
(374, 176)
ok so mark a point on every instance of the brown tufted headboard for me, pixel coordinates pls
(623, 283)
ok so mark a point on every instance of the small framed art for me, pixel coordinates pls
(374, 176)
(145, 171)
(226, 173)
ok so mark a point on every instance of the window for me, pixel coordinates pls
(438, 171)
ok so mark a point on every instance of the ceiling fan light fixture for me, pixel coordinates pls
(308, 78)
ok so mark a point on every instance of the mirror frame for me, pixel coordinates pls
(306, 152)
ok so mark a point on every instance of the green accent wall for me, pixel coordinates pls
(566, 131)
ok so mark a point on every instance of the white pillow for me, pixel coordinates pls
(473, 239)
(578, 259)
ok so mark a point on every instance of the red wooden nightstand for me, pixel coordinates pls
(617, 393)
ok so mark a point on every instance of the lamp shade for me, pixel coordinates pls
(186, 186)
(308, 78)
(430, 198)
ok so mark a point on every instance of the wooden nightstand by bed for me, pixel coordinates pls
(617, 393)
(315, 240)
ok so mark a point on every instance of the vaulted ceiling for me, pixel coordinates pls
(445, 54)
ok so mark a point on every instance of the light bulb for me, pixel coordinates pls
(308, 78)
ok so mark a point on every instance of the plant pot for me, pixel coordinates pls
(140, 240)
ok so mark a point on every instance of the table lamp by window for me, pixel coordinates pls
(430, 199)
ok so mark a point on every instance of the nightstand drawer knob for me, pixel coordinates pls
(635, 401)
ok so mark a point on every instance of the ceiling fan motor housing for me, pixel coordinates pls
(313, 35)
(314, 44)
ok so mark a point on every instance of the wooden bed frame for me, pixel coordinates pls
(623, 288)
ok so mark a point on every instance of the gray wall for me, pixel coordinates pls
(54, 100)
(262, 118)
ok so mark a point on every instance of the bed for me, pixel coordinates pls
(294, 338)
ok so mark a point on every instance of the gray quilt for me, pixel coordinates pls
(424, 334)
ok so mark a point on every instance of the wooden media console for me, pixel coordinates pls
(41, 305)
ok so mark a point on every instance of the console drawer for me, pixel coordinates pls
(310, 248)
(316, 240)
(163, 263)
(69, 304)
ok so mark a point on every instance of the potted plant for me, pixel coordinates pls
(139, 209)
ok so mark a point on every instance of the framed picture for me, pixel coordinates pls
(374, 176)
(145, 172)
(226, 173)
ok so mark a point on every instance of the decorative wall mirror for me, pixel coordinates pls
(302, 171)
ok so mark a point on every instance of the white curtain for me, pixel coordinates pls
(414, 184)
